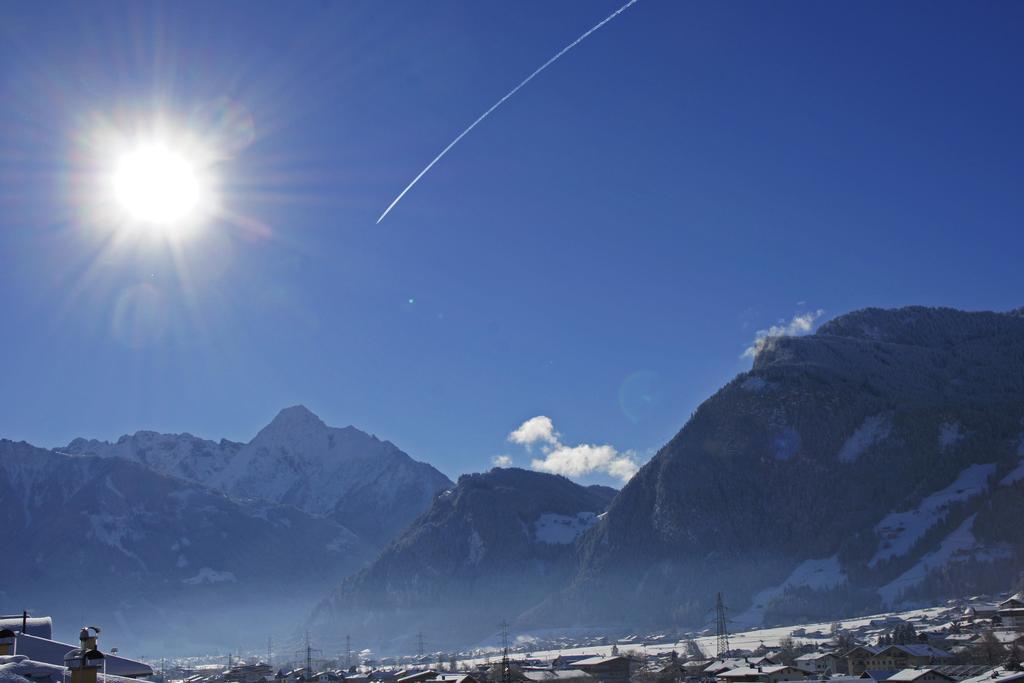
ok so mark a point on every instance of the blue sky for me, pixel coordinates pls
(600, 250)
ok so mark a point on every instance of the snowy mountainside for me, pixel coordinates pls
(133, 536)
(368, 485)
(177, 455)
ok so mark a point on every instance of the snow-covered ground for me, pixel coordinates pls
(900, 530)
(817, 574)
(746, 640)
(874, 429)
(960, 544)
(562, 529)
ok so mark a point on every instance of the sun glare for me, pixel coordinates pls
(156, 186)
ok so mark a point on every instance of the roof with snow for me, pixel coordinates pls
(53, 651)
(999, 674)
(748, 671)
(913, 674)
(597, 661)
(36, 626)
(913, 649)
(814, 656)
(561, 674)
(1015, 600)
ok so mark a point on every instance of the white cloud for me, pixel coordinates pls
(572, 461)
(535, 429)
(801, 323)
(502, 461)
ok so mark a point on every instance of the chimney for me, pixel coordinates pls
(6, 642)
(86, 661)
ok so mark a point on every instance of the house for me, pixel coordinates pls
(1015, 601)
(763, 674)
(249, 673)
(959, 672)
(980, 610)
(919, 676)
(418, 676)
(721, 665)
(694, 668)
(820, 662)
(558, 675)
(616, 669)
(568, 661)
(1010, 638)
(1011, 618)
(893, 657)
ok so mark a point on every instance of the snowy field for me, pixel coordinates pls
(743, 640)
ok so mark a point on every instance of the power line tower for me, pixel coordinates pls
(506, 668)
(348, 652)
(419, 645)
(721, 628)
(270, 644)
(307, 673)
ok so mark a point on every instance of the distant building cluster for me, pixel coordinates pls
(972, 642)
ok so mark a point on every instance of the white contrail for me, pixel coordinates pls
(497, 104)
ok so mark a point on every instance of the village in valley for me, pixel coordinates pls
(978, 640)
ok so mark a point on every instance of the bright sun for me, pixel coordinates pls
(156, 186)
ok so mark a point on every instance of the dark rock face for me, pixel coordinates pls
(812, 455)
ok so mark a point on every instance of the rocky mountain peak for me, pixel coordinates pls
(297, 419)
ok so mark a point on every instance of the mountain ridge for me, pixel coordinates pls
(508, 531)
(369, 485)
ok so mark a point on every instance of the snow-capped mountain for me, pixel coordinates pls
(129, 545)
(177, 455)
(489, 548)
(368, 485)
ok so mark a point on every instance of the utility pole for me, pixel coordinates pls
(419, 648)
(721, 628)
(348, 652)
(270, 644)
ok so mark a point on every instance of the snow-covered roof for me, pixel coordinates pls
(910, 674)
(913, 649)
(36, 626)
(18, 668)
(814, 656)
(53, 651)
(748, 671)
(597, 661)
(562, 674)
(999, 674)
(1015, 600)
